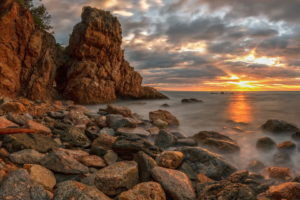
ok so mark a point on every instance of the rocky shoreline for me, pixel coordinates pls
(68, 152)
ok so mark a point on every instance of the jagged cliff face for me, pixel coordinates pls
(93, 69)
(27, 55)
(96, 66)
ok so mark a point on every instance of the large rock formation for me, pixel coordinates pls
(96, 70)
(27, 55)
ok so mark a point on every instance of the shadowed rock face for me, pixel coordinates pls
(96, 66)
(27, 55)
(91, 70)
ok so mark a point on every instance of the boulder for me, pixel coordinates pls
(28, 55)
(170, 159)
(76, 137)
(136, 131)
(38, 126)
(92, 161)
(121, 110)
(279, 126)
(19, 186)
(103, 144)
(288, 191)
(5, 123)
(110, 157)
(118, 121)
(185, 142)
(165, 116)
(41, 175)
(96, 66)
(286, 146)
(265, 144)
(296, 136)
(282, 158)
(191, 100)
(77, 117)
(144, 191)
(127, 146)
(36, 141)
(117, 177)
(206, 162)
(282, 173)
(216, 142)
(13, 107)
(145, 164)
(165, 139)
(62, 162)
(255, 166)
(26, 156)
(78, 191)
(227, 190)
(176, 184)
(19, 118)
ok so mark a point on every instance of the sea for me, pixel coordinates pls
(238, 115)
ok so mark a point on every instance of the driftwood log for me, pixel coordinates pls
(7, 131)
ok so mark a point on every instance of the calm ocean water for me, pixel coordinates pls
(238, 114)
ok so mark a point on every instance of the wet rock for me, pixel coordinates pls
(14, 107)
(176, 184)
(206, 162)
(93, 161)
(145, 164)
(127, 146)
(121, 110)
(165, 116)
(255, 166)
(288, 191)
(147, 190)
(76, 137)
(191, 100)
(286, 146)
(170, 159)
(117, 177)
(92, 132)
(26, 156)
(102, 144)
(296, 136)
(19, 186)
(41, 175)
(186, 142)
(78, 191)
(77, 117)
(136, 131)
(202, 178)
(282, 173)
(74, 153)
(5, 123)
(282, 158)
(227, 190)
(101, 121)
(165, 105)
(37, 126)
(60, 161)
(216, 142)
(110, 157)
(56, 115)
(164, 139)
(279, 126)
(20, 118)
(36, 141)
(118, 121)
(160, 123)
(265, 144)
(107, 131)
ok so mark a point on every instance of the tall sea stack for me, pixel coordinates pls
(93, 69)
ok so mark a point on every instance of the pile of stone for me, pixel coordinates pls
(76, 154)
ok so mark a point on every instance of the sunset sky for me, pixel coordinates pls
(202, 45)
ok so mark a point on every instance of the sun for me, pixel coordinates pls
(237, 83)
